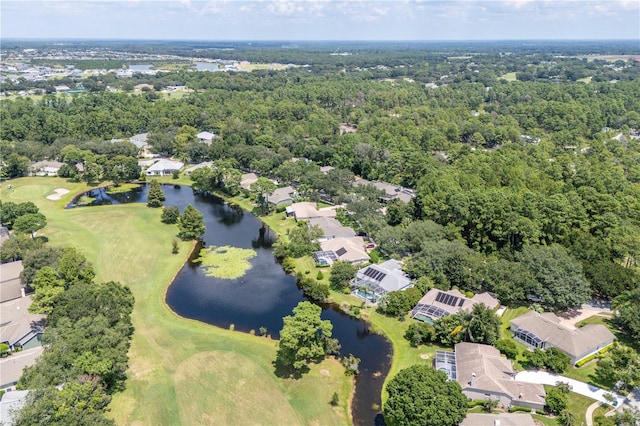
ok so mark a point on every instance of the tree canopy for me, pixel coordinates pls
(303, 337)
(420, 395)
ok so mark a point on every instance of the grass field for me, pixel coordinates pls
(181, 371)
(510, 76)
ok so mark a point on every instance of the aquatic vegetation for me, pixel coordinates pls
(225, 262)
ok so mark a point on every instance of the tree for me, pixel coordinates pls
(420, 333)
(621, 365)
(262, 188)
(16, 165)
(155, 197)
(398, 303)
(420, 395)
(555, 401)
(47, 286)
(484, 326)
(560, 276)
(191, 224)
(302, 338)
(557, 361)
(303, 240)
(313, 289)
(30, 223)
(627, 317)
(170, 214)
(122, 169)
(567, 418)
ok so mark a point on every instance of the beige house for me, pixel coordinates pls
(344, 249)
(306, 210)
(10, 285)
(500, 419)
(439, 303)
(484, 374)
(545, 330)
(331, 228)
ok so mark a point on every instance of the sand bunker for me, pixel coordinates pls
(59, 192)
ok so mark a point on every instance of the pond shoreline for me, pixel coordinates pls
(370, 376)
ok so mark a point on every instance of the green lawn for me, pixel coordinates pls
(510, 76)
(181, 371)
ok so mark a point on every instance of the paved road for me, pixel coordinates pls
(593, 392)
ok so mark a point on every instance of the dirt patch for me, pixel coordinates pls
(424, 356)
(325, 373)
(59, 192)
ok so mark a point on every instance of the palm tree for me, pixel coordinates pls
(567, 418)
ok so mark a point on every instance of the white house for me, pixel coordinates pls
(206, 137)
(164, 167)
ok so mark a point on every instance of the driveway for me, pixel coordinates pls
(593, 392)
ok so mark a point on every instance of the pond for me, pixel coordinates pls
(264, 295)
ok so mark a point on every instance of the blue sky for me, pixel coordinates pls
(322, 19)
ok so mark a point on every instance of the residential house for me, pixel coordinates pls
(4, 234)
(19, 327)
(46, 168)
(247, 179)
(439, 303)
(498, 419)
(13, 366)
(282, 196)
(484, 374)
(206, 137)
(331, 228)
(10, 404)
(545, 330)
(164, 167)
(344, 249)
(306, 210)
(391, 191)
(10, 285)
(141, 142)
(143, 86)
(191, 169)
(374, 281)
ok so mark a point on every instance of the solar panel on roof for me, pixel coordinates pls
(341, 251)
(448, 299)
(461, 302)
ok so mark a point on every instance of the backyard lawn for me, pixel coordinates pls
(181, 371)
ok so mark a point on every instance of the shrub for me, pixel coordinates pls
(519, 409)
(320, 276)
(420, 333)
(507, 347)
(335, 400)
(313, 289)
(288, 264)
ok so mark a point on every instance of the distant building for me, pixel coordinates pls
(306, 210)
(391, 191)
(374, 281)
(191, 169)
(46, 168)
(281, 196)
(164, 168)
(206, 137)
(545, 330)
(331, 228)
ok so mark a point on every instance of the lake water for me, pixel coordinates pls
(264, 295)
